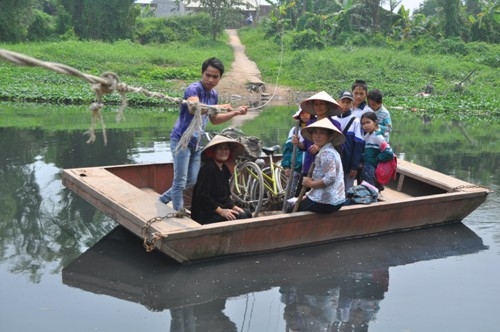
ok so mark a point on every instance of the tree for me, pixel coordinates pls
(15, 19)
(486, 22)
(108, 20)
(220, 12)
(451, 17)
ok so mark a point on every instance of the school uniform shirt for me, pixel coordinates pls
(361, 109)
(372, 153)
(384, 122)
(211, 191)
(353, 146)
(328, 167)
(184, 120)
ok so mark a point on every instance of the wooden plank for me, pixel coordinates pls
(128, 205)
(389, 195)
(430, 176)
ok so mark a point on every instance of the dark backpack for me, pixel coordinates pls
(361, 195)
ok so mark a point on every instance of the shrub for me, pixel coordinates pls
(423, 46)
(378, 40)
(306, 39)
(41, 28)
(452, 46)
(483, 53)
(175, 28)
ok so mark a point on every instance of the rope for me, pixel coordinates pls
(277, 79)
(107, 83)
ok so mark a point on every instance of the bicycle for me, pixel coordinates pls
(254, 184)
(258, 186)
(275, 181)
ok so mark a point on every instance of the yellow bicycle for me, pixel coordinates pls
(255, 184)
(258, 185)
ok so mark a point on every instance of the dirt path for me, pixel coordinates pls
(233, 87)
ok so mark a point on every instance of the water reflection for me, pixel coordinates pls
(337, 286)
(42, 223)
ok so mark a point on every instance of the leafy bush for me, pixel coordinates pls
(153, 31)
(377, 39)
(306, 39)
(484, 53)
(42, 26)
(423, 46)
(453, 46)
(174, 28)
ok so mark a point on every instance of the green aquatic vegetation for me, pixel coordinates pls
(157, 68)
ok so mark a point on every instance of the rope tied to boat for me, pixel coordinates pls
(108, 83)
(150, 244)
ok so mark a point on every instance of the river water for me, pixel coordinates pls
(66, 267)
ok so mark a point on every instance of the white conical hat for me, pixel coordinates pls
(337, 139)
(333, 106)
(236, 147)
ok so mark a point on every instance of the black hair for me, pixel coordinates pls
(375, 95)
(213, 62)
(370, 115)
(361, 84)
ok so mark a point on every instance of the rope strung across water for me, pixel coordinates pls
(109, 82)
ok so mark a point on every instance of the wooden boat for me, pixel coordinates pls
(118, 266)
(418, 197)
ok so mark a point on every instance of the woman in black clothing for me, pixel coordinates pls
(211, 195)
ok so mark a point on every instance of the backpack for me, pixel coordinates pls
(362, 194)
(386, 170)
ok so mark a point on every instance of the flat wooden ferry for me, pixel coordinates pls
(418, 197)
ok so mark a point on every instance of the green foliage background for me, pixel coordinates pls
(397, 71)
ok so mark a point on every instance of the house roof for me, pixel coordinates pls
(246, 4)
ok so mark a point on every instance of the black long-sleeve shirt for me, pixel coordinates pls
(211, 191)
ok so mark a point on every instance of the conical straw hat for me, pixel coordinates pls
(333, 106)
(236, 147)
(337, 139)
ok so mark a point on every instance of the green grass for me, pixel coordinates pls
(158, 68)
(168, 68)
(398, 73)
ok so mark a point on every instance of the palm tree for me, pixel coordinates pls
(486, 24)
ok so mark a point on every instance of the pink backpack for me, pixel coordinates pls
(386, 170)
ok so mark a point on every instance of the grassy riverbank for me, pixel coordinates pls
(393, 69)
(168, 68)
(165, 68)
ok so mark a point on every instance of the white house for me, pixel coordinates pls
(163, 8)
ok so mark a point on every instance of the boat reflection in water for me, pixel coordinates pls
(336, 286)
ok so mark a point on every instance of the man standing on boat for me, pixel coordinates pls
(187, 160)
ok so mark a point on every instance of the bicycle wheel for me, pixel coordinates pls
(247, 186)
(274, 194)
